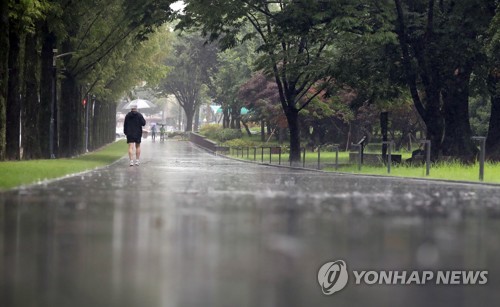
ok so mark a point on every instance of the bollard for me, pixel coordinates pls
(482, 155)
(262, 155)
(336, 157)
(304, 157)
(270, 155)
(358, 146)
(427, 156)
(389, 155)
(279, 155)
(319, 157)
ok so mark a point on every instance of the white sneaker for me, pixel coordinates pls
(131, 163)
(136, 162)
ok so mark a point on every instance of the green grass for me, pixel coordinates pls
(311, 157)
(16, 173)
(449, 171)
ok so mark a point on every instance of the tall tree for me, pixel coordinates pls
(440, 47)
(30, 107)
(4, 73)
(493, 80)
(233, 68)
(92, 47)
(25, 17)
(13, 116)
(295, 38)
(190, 64)
(92, 38)
(260, 95)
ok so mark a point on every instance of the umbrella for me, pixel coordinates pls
(140, 103)
(216, 109)
(243, 110)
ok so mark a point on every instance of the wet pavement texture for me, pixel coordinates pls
(187, 228)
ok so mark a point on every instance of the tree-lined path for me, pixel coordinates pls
(187, 228)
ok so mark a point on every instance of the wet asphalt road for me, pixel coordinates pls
(187, 228)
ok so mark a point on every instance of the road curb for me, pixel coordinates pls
(431, 180)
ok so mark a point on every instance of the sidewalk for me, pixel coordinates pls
(186, 228)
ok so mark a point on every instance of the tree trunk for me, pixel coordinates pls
(79, 128)
(431, 113)
(292, 116)
(235, 118)
(232, 122)
(262, 131)
(68, 119)
(4, 72)
(189, 110)
(96, 135)
(189, 122)
(14, 100)
(434, 128)
(249, 133)
(112, 122)
(46, 90)
(493, 140)
(457, 140)
(179, 118)
(196, 118)
(30, 107)
(226, 119)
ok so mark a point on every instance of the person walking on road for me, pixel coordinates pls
(132, 127)
(153, 132)
(162, 133)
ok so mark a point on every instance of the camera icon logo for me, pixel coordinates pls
(333, 277)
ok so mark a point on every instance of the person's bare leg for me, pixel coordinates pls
(137, 151)
(131, 151)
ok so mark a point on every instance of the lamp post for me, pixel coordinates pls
(88, 103)
(53, 105)
(54, 99)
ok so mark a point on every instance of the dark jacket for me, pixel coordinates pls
(132, 127)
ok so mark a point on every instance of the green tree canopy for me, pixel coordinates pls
(190, 64)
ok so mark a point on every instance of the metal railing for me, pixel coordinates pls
(268, 152)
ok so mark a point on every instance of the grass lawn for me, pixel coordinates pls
(15, 173)
(311, 157)
(448, 171)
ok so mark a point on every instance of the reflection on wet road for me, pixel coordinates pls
(190, 229)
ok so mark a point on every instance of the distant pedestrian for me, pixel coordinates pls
(162, 133)
(153, 132)
(132, 127)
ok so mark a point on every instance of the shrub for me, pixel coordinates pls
(239, 143)
(211, 130)
(228, 134)
(177, 135)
